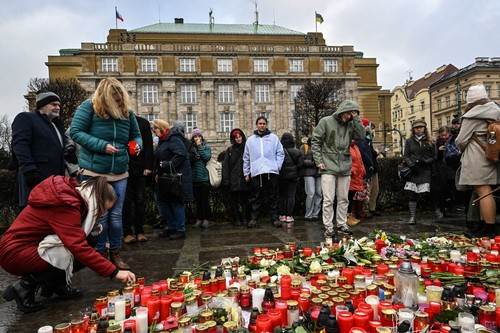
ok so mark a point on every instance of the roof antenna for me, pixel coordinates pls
(274, 17)
(159, 12)
(256, 23)
(211, 18)
(410, 78)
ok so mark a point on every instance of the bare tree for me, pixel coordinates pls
(70, 91)
(316, 99)
(5, 141)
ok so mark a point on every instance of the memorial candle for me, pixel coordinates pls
(345, 321)
(120, 309)
(361, 319)
(153, 310)
(165, 303)
(141, 319)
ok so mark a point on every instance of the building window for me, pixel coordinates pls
(331, 66)
(447, 101)
(190, 121)
(448, 120)
(150, 94)
(296, 65)
(152, 116)
(188, 65)
(440, 122)
(439, 103)
(412, 110)
(262, 93)
(422, 105)
(488, 89)
(149, 64)
(226, 122)
(226, 94)
(188, 94)
(224, 65)
(261, 65)
(294, 90)
(109, 64)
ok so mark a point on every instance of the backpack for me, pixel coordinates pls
(492, 146)
(214, 172)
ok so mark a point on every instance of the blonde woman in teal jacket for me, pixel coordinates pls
(103, 126)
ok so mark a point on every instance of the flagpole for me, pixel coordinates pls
(116, 19)
(316, 21)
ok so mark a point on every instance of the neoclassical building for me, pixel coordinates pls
(449, 94)
(220, 76)
(411, 102)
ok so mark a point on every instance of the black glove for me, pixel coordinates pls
(33, 178)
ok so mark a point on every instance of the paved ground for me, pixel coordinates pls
(158, 258)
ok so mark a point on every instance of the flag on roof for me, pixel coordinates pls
(319, 18)
(118, 16)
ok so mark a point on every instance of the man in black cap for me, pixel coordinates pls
(38, 144)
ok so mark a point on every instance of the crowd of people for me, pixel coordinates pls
(82, 191)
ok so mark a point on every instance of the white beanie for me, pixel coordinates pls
(476, 93)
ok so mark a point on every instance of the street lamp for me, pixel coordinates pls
(401, 137)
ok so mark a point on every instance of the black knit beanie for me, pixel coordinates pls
(45, 98)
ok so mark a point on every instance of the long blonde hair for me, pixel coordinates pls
(104, 102)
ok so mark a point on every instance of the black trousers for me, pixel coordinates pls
(238, 204)
(287, 190)
(134, 206)
(201, 193)
(265, 192)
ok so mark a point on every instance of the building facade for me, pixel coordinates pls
(411, 102)
(448, 95)
(220, 76)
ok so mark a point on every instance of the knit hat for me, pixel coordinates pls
(419, 123)
(45, 98)
(476, 93)
(365, 122)
(196, 132)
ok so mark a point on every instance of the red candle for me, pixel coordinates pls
(282, 306)
(303, 304)
(263, 324)
(165, 302)
(445, 328)
(459, 270)
(145, 298)
(379, 245)
(472, 256)
(361, 319)
(383, 305)
(163, 286)
(294, 294)
(178, 296)
(357, 330)
(275, 316)
(363, 307)
(307, 251)
(257, 250)
(497, 239)
(373, 324)
(498, 315)
(129, 324)
(345, 321)
(153, 309)
(349, 274)
(433, 309)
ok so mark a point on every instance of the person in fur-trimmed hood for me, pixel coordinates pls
(478, 171)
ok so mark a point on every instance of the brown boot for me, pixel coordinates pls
(116, 259)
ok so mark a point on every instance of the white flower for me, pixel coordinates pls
(283, 270)
(315, 267)
(264, 263)
(241, 269)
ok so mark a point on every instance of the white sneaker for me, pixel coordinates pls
(282, 218)
(289, 219)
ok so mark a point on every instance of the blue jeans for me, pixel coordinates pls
(313, 196)
(173, 212)
(112, 221)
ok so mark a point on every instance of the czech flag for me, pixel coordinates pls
(118, 16)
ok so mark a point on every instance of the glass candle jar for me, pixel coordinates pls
(421, 321)
(293, 312)
(185, 325)
(62, 328)
(128, 293)
(46, 329)
(191, 306)
(101, 306)
(112, 295)
(206, 315)
(345, 322)
(487, 316)
(245, 299)
(176, 309)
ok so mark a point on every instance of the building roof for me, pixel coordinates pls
(228, 29)
(480, 63)
(69, 52)
(425, 82)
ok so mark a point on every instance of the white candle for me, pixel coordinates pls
(45, 329)
(406, 314)
(141, 320)
(255, 274)
(257, 298)
(373, 301)
(120, 309)
(455, 255)
(466, 320)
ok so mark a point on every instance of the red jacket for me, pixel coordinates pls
(54, 207)
(357, 169)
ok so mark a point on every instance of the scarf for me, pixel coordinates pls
(51, 248)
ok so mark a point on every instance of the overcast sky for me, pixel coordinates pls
(416, 35)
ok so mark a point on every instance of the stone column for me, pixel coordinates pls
(241, 110)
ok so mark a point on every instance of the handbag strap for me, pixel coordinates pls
(476, 139)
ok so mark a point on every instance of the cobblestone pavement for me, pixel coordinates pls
(159, 258)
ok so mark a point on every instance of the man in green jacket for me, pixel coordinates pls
(330, 147)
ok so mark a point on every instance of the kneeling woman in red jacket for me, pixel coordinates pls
(48, 240)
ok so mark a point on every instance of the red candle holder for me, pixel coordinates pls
(361, 319)
(263, 324)
(275, 316)
(153, 310)
(345, 321)
(282, 306)
(373, 324)
(307, 251)
(349, 274)
(165, 302)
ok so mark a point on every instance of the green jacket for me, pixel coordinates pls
(331, 140)
(93, 133)
(199, 157)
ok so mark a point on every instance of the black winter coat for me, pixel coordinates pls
(419, 155)
(37, 149)
(309, 168)
(293, 159)
(144, 160)
(232, 165)
(172, 150)
(366, 156)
